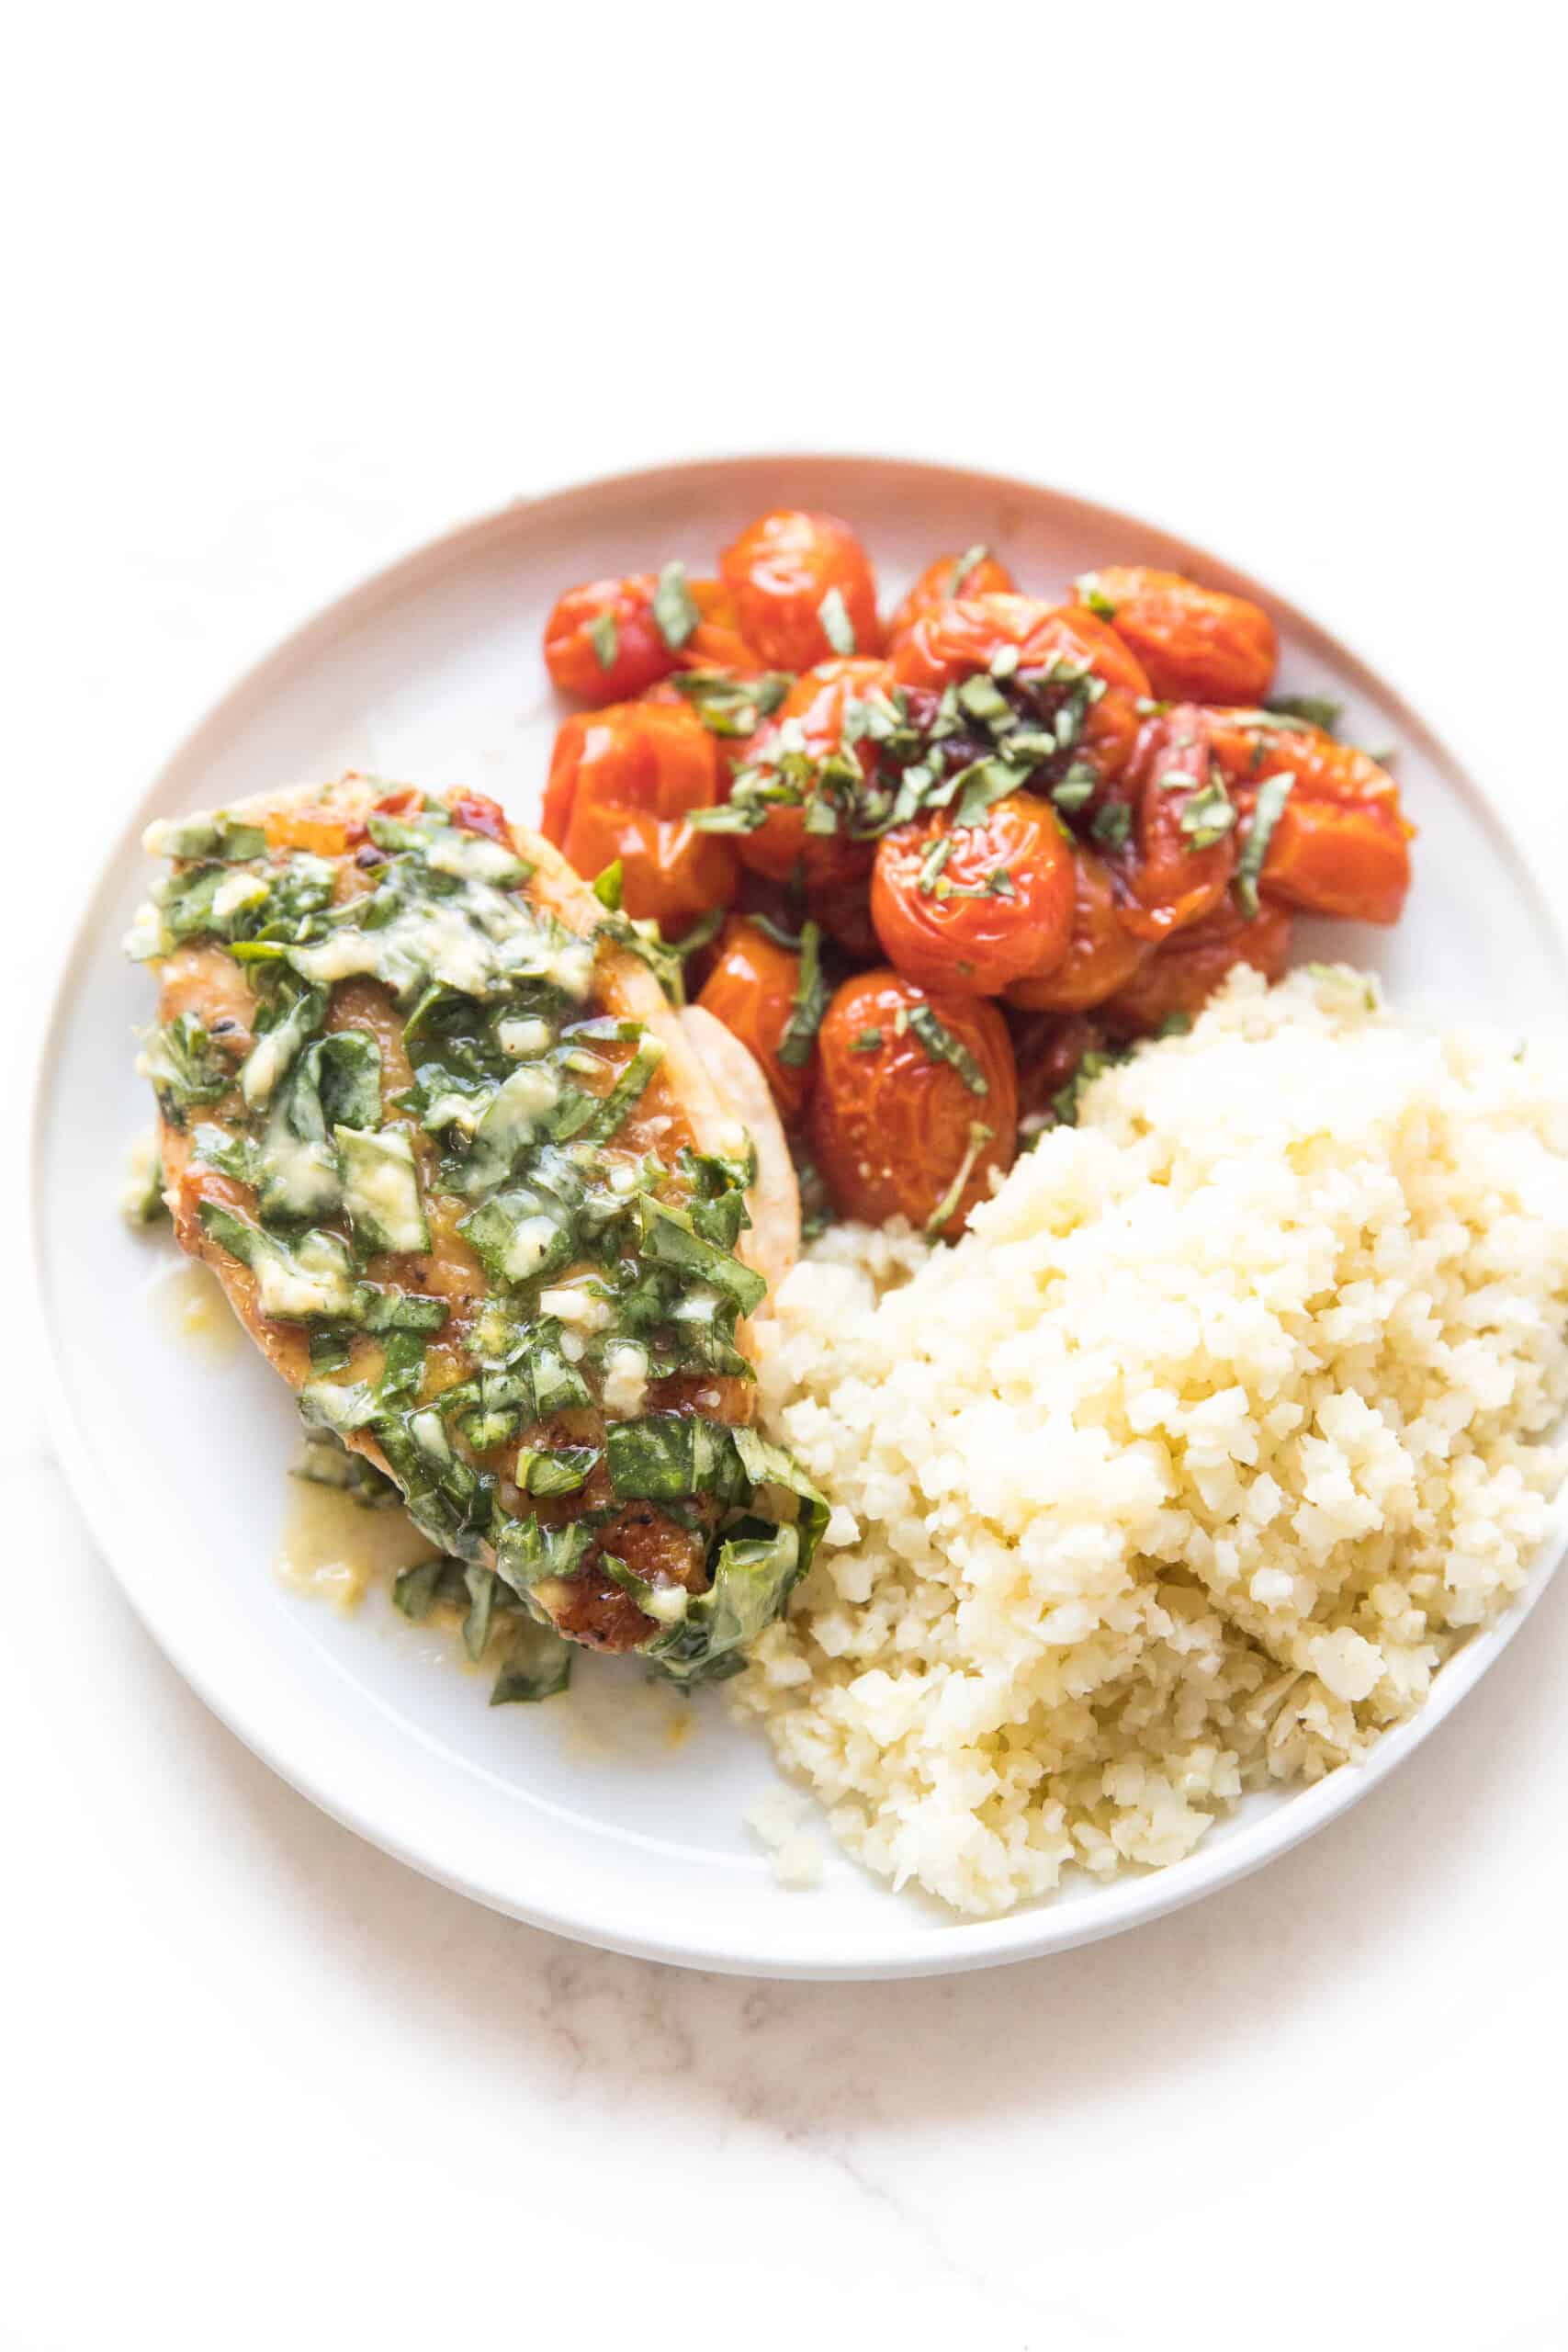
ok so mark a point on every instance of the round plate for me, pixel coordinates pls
(610, 1814)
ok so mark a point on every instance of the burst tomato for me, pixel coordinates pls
(1196, 644)
(955, 641)
(1184, 842)
(753, 989)
(622, 784)
(973, 907)
(1340, 845)
(602, 642)
(974, 574)
(1102, 954)
(779, 572)
(916, 1101)
(789, 846)
(716, 642)
(1184, 973)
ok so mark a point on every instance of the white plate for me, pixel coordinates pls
(584, 1816)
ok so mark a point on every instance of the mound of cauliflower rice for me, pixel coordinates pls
(1183, 1471)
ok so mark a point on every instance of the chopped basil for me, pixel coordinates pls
(1089, 593)
(1112, 823)
(605, 639)
(1272, 795)
(665, 1456)
(751, 1580)
(810, 1003)
(980, 787)
(1209, 816)
(380, 1189)
(539, 1666)
(732, 706)
(939, 1045)
(865, 1041)
(970, 561)
(979, 1137)
(186, 1067)
(1318, 710)
(325, 1461)
(837, 626)
(674, 611)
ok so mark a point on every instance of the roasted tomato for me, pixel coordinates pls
(1102, 954)
(974, 574)
(1340, 843)
(779, 572)
(831, 867)
(1196, 644)
(621, 782)
(1184, 839)
(955, 641)
(326, 833)
(601, 641)
(916, 1101)
(753, 989)
(1335, 860)
(973, 907)
(1184, 975)
(716, 642)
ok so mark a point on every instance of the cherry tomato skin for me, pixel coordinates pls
(1174, 882)
(1335, 860)
(716, 642)
(751, 990)
(1324, 770)
(782, 848)
(942, 582)
(956, 640)
(1102, 954)
(621, 784)
(779, 571)
(1186, 972)
(891, 1124)
(622, 612)
(976, 943)
(1196, 644)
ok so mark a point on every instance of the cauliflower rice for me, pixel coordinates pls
(1186, 1468)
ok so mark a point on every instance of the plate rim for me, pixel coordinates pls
(1037, 1930)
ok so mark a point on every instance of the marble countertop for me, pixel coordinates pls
(264, 2086)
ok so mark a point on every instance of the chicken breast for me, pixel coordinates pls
(486, 1201)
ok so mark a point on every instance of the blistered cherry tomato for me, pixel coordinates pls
(1184, 826)
(833, 869)
(955, 641)
(1102, 954)
(974, 574)
(1196, 644)
(602, 642)
(1335, 860)
(973, 907)
(1184, 973)
(716, 642)
(1250, 746)
(916, 1101)
(752, 989)
(779, 571)
(621, 784)
(1340, 843)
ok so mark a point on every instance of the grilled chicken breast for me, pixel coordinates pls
(485, 1199)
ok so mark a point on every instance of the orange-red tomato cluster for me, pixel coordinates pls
(957, 852)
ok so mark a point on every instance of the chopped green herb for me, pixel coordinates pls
(1272, 795)
(939, 1045)
(1318, 710)
(539, 1666)
(674, 612)
(605, 639)
(1088, 592)
(970, 561)
(865, 1041)
(837, 626)
(979, 1137)
(1112, 823)
(808, 1003)
(732, 706)
(1209, 816)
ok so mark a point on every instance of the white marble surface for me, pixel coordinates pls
(299, 291)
